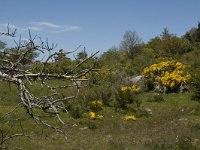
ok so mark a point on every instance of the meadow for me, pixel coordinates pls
(173, 124)
(95, 102)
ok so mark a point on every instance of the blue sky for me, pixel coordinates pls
(98, 24)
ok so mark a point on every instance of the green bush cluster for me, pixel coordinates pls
(196, 88)
(124, 97)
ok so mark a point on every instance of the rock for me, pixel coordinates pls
(136, 79)
(183, 87)
(146, 111)
(84, 128)
(161, 88)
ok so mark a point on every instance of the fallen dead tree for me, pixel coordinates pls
(15, 71)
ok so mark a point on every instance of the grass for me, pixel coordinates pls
(174, 124)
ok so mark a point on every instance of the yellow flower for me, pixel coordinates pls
(100, 117)
(135, 88)
(129, 117)
(188, 77)
(169, 73)
(124, 88)
(96, 103)
(92, 115)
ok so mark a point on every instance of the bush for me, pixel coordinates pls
(196, 88)
(105, 93)
(96, 105)
(170, 74)
(98, 77)
(106, 98)
(76, 111)
(126, 95)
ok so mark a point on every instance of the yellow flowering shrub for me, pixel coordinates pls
(93, 115)
(133, 88)
(100, 117)
(169, 73)
(126, 95)
(129, 117)
(96, 105)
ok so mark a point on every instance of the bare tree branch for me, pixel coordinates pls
(14, 69)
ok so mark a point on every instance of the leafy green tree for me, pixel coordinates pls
(113, 59)
(82, 55)
(196, 87)
(190, 35)
(14, 54)
(58, 67)
(193, 35)
(198, 33)
(145, 58)
(60, 56)
(169, 45)
(165, 34)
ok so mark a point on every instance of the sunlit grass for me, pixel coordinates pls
(171, 119)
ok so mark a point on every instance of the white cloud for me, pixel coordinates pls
(55, 28)
(42, 26)
(67, 29)
(46, 24)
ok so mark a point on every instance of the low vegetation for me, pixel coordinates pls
(137, 96)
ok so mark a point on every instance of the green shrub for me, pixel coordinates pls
(196, 88)
(106, 98)
(105, 93)
(96, 105)
(124, 97)
(76, 111)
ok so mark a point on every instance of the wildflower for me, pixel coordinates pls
(97, 103)
(100, 117)
(92, 115)
(124, 88)
(135, 88)
(129, 117)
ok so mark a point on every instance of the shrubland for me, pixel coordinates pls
(112, 108)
